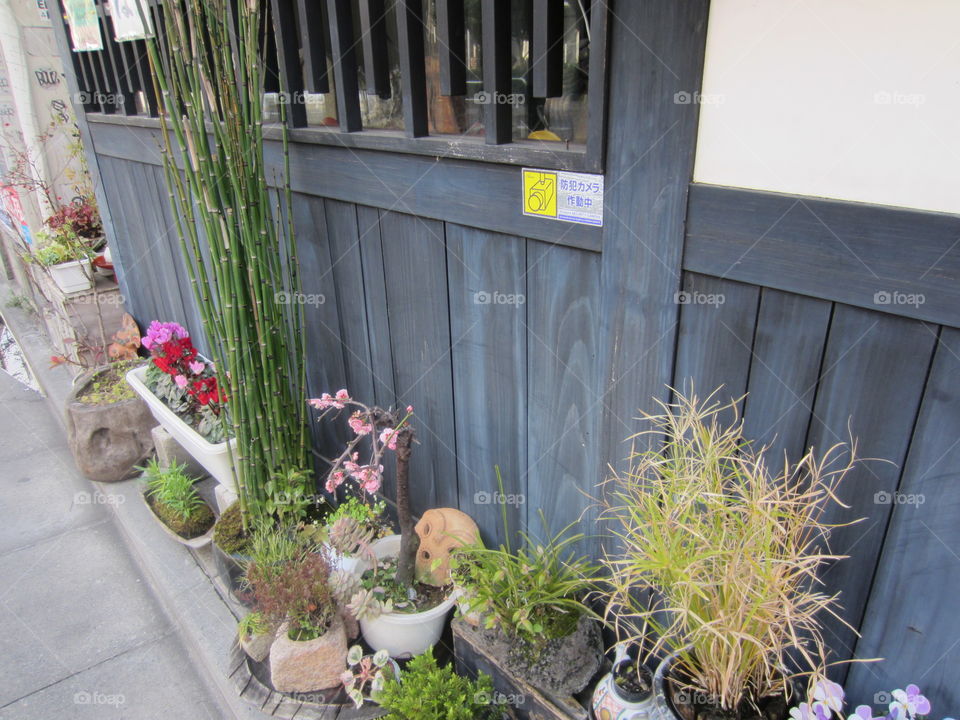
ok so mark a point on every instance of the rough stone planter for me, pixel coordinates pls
(305, 666)
(404, 634)
(108, 441)
(214, 457)
(472, 654)
(195, 543)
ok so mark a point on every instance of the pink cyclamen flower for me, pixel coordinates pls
(358, 423)
(335, 480)
(389, 438)
(181, 381)
(197, 367)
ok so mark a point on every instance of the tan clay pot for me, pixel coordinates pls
(305, 666)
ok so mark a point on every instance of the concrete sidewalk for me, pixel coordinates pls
(81, 634)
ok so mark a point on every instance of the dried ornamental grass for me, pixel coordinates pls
(719, 556)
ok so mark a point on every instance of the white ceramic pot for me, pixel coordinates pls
(348, 563)
(215, 457)
(610, 704)
(404, 634)
(73, 276)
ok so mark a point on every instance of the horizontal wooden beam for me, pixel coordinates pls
(400, 182)
(894, 260)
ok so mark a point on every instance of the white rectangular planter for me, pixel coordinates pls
(215, 457)
(73, 276)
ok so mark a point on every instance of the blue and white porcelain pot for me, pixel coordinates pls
(611, 702)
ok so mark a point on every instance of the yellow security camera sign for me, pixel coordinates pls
(561, 195)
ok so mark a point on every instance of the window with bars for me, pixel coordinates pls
(518, 81)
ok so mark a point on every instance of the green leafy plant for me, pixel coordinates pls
(109, 386)
(426, 691)
(171, 493)
(252, 624)
(61, 247)
(369, 515)
(534, 594)
(287, 496)
(289, 580)
(719, 555)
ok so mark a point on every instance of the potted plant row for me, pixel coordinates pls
(180, 387)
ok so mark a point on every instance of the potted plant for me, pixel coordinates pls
(626, 692)
(355, 522)
(529, 603)
(66, 258)
(180, 387)
(108, 426)
(718, 557)
(289, 580)
(176, 505)
(397, 612)
(425, 691)
(366, 675)
(255, 635)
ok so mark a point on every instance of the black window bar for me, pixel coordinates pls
(315, 46)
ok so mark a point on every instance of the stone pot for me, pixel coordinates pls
(257, 647)
(306, 666)
(108, 441)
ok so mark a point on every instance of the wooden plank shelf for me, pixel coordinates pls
(252, 682)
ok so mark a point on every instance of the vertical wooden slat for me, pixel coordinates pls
(874, 370)
(451, 46)
(562, 303)
(497, 116)
(597, 85)
(85, 81)
(344, 64)
(489, 356)
(413, 77)
(138, 49)
(546, 50)
(288, 60)
(717, 321)
(313, 47)
(917, 632)
(373, 31)
(105, 85)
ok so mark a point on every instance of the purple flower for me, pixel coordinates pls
(828, 694)
(863, 712)
(158, 333)
(909, 702)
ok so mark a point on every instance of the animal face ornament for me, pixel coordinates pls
(441, 531)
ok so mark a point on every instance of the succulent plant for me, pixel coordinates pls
(347, 536)
(365, 605)
(344, 585)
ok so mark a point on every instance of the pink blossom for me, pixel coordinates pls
(359, 424)
(197, 367)
(369, 478)
(181, 381)
(389, 438)
(409, 409)
(342, 395)
(335, 480)
(328, 401)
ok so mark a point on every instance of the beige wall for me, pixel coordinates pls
(850, 99)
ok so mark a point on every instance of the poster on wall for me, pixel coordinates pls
(81, 16)
(128, 23)
(43, 10)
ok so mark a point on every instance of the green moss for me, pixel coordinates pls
(228, 532)
(109, 386)
(197, 524)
